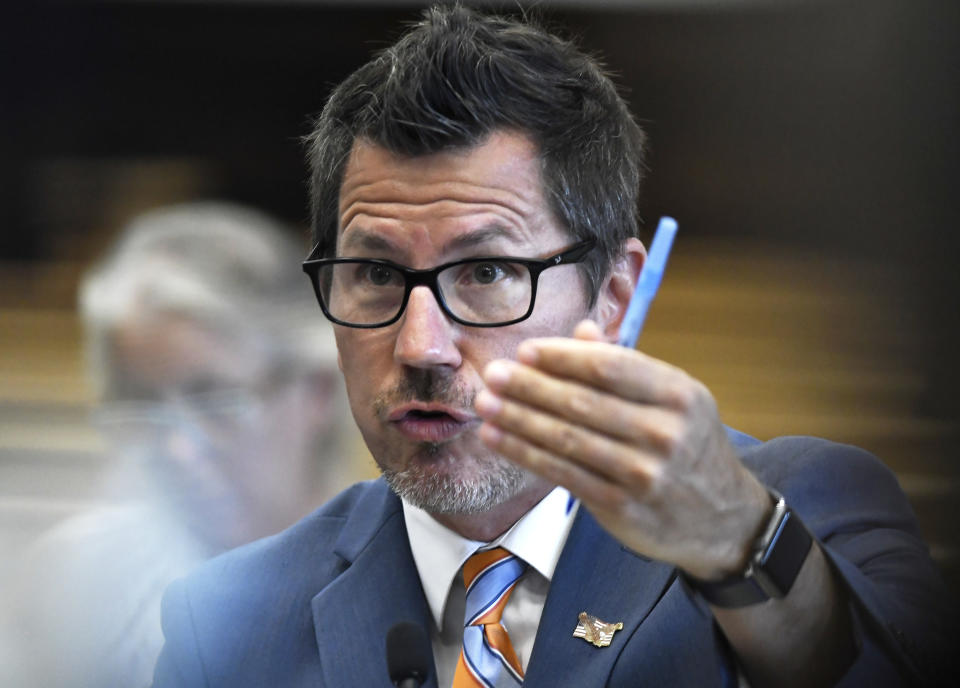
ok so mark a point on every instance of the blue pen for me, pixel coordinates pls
(647, 283)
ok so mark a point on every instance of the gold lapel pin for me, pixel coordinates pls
(595, 631)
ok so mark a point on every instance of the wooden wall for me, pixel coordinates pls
(808, 150)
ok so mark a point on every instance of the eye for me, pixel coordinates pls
(380, 275)
(377, 275)
(487, 273)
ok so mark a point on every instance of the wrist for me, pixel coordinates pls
(734, 557)
(774, 559)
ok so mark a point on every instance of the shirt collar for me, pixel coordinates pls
(439, 553)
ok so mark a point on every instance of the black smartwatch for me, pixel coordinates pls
(778, 554)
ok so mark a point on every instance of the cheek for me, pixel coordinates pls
(561, 318)
(366, 363)
(561, 299)
(355, 353)
(553, 318)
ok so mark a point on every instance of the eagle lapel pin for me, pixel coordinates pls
(595, 631)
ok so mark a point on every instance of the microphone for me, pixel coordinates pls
(408, 655)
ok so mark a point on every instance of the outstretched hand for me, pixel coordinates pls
(637, 440)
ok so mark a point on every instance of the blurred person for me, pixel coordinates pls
(220, 401)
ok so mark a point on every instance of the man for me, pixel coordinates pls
(474, 195)
(222, 406)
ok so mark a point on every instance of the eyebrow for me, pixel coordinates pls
(477, 237)
(361, 238)
(364, 239)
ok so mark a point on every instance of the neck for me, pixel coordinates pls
(487, 526)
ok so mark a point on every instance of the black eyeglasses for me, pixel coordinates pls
(490, 291)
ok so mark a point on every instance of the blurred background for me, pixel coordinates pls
(809, 150)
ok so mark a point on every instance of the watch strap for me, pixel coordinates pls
(778, 555)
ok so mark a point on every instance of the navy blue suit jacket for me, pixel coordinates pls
(312, 606)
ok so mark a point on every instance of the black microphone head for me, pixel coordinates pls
(409, 654)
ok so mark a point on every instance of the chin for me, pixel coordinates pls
(459, 489)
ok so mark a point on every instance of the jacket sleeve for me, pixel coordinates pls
(904, 616)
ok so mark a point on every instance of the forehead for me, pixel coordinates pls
(493, 190)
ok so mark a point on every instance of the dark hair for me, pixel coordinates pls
(455, 77)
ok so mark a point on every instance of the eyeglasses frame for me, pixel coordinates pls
(427, 277)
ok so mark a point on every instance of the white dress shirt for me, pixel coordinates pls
(439, 553)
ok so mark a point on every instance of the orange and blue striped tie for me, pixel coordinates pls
(487, 658)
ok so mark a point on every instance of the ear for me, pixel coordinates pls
(617, 288)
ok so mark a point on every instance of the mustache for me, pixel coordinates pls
(425, 386)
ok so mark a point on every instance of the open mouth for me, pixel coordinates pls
(431, 424)
(426, 415)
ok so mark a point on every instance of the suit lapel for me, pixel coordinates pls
(597, 575)
(379, 588)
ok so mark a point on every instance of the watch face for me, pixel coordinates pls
(785, 556)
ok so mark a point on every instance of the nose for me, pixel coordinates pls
(189, 462)
(426, 338)
(184, 446)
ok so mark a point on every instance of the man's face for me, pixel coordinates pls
(412, 384)
(227, 441)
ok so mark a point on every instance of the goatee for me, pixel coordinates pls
(495, 479)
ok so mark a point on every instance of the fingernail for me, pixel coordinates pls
(527, 353)
(487, 404)
(497, 374)
(490, 434)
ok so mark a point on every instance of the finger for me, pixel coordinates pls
(600, 411)
(626, 373)
(588, 330)
(601, 455)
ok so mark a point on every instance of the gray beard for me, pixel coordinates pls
(443, 494)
